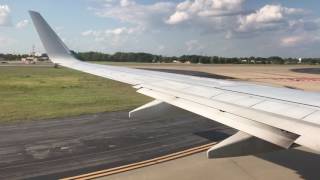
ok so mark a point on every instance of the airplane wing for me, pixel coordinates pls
(268, 118)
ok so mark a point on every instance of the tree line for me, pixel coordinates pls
(151, 58)
(12, 57)
(15, 57)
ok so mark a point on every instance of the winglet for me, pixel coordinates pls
(54, 46)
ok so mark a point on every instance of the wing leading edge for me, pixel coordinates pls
(280, 121)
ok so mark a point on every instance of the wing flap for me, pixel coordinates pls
(271, 119)
(155, 109)
(263, 131)
(240, 144)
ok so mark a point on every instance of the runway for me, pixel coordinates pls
(71, 146)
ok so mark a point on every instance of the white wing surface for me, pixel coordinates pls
(267, 118)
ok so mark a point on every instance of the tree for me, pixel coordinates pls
(151, 58)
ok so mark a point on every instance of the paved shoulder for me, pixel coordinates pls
(71, 146)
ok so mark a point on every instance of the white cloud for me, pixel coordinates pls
(208, 22)
(205, 9)
(291, 40)
(116, 36)
(177, 17)
(231, 20)
(87, 33)
(5, 19)
(121, 31)
(268, 17)
(125, 3)
(22, 24)
(116, 31)
(132, 12)
(297, 40)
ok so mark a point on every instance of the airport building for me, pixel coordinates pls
(34, 57)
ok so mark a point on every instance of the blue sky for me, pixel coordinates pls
(288, 28)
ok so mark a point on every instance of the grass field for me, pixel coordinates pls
(33, 93)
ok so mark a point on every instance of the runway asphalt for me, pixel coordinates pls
(192, 73)
(70, 146)
(307, 70)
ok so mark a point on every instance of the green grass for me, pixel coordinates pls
(32, 93)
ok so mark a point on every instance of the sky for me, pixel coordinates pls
(287, 28)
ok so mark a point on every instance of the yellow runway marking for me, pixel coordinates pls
(120, 169)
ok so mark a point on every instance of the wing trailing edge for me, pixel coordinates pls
(241, 144)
